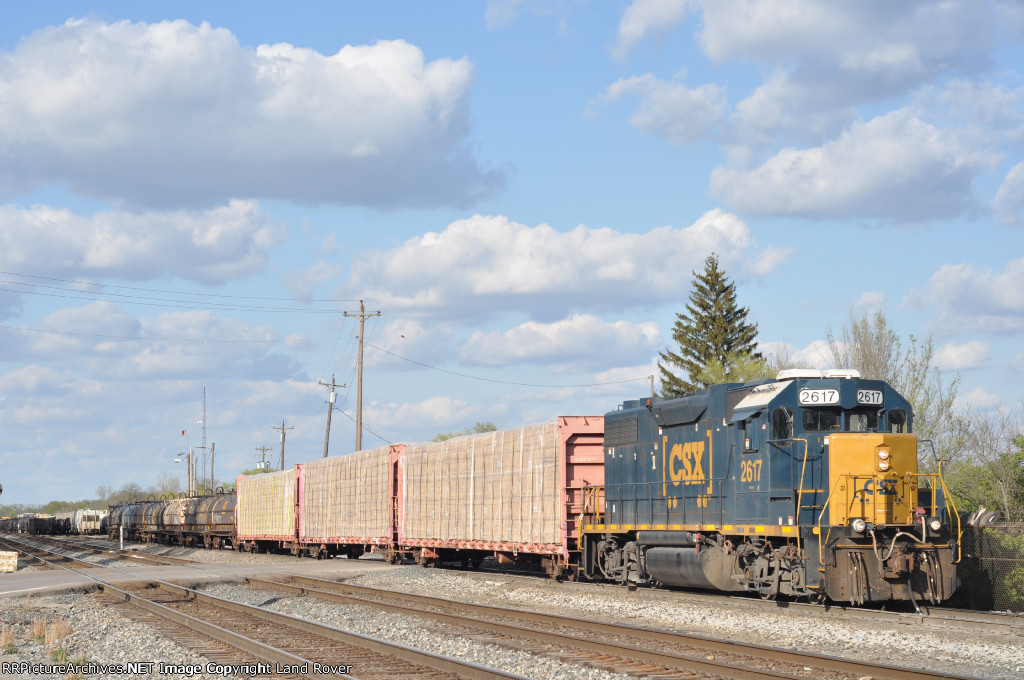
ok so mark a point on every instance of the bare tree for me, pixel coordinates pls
(870, 345)
(992, 474)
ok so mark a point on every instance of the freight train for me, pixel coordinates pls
(806, 485)
(86, 521)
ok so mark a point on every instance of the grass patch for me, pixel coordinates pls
(7, 639)
(56, 631)
(27, 605)
(39, 631)
(59, 655)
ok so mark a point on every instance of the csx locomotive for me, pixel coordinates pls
(807, 485)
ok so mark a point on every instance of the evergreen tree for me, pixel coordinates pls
(713, 331)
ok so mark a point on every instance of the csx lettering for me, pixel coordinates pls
(685, 462)
(884, 487)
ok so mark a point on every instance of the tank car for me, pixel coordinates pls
(806, 485)
(210, 521)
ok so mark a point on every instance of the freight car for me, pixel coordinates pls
(29, 523)
(514, 495)
(807, 485)
(200, 521)
(81, 522)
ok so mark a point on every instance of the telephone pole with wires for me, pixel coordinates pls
(363, 315)
(330, 410)
(282, 428)
(262, 455)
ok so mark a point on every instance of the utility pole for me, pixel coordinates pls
(213, 446)
(262, 455)
(282, 428)
(190, 477)
(330, 409)
(363, 315)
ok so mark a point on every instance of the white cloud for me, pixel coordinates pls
(978, 399)
(978, 298)
(645, 17)
(825, 59)
(481, 266)
(895, 166)
(815, 355)
(954, 357)
(670, 110)
(574, 343)
(97, 342)
(894, 42)
(209, 246)
(1009, 201)
(1017, 363)
(871, 301)
(434, 412)
(410, 340)
(171, 113)
(301, 281)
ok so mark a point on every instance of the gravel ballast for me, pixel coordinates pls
(103, 636)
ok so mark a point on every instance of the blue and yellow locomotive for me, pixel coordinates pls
(806, 485)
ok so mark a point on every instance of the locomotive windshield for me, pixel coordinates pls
(820, 420)
(862, 421)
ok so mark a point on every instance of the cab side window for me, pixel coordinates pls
(782, 423)
(898, 421)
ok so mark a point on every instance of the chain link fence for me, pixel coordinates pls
(992, 569)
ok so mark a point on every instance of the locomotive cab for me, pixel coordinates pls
(806, 485)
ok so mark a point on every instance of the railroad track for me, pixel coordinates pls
(934, 617)
(240, 635)
(956, 621)
(638, 651)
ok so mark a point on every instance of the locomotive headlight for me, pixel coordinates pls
(883, 465)
(858, 525)
(883, 454)
(934, 523)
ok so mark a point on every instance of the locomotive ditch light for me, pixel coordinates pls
(883, 454)
(883, 465)
(858, 525)
(934, 523)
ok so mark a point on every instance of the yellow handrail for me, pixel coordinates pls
(948, 497)
(800, 492)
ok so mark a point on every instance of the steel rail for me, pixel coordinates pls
(940, 618)
(362, 595)
(934, 617)
(436, 662)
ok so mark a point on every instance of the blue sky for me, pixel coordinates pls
(523, 189)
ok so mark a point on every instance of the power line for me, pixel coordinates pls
(139, 338)
(502, 382)
(171, 292)
(174, 304)
(364, 427)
